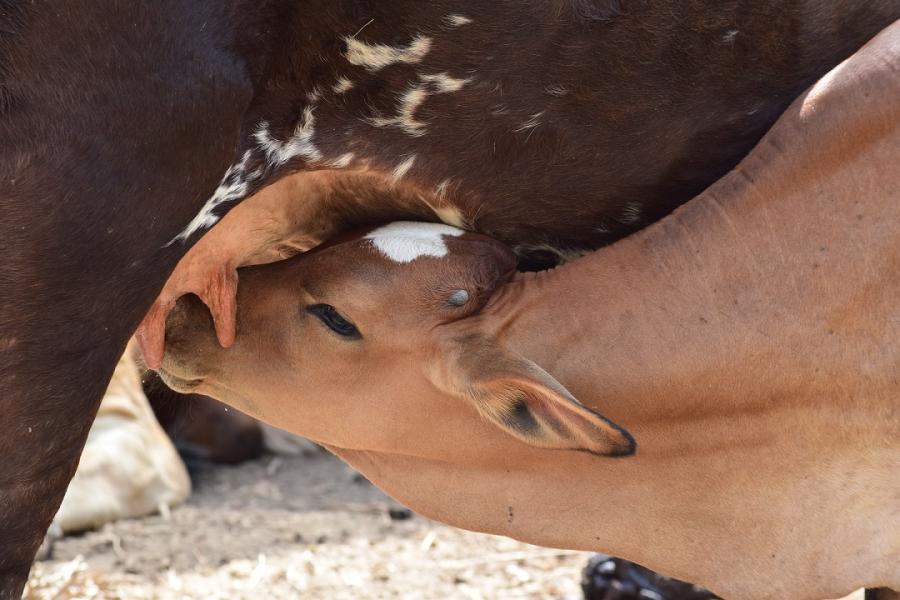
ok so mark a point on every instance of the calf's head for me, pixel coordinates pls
(357, 343)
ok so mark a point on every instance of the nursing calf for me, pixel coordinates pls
(749, 350)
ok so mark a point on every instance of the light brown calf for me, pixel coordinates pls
(750, 343)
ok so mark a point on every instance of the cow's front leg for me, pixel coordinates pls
(70, 302)
(88, 208)
(118, 124)
(45, 422)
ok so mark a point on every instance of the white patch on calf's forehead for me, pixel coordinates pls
(375, 57)
(405, 241)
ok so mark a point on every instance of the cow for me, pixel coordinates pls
(738, 357)
(127, 130)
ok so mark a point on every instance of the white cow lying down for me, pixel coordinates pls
(129, 467)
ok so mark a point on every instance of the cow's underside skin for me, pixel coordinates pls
(577, 123)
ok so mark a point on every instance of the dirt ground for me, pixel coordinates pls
(303, 526)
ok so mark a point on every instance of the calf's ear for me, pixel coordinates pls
(528, 403)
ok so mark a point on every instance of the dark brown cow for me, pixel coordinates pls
(561, 125)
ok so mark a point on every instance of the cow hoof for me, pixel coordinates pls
(608, 578)
(399, 513)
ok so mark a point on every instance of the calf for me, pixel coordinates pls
(750, 351)
(129, 128)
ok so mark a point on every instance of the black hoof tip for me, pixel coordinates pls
(609, 578)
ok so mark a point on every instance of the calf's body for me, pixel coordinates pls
(749, 350)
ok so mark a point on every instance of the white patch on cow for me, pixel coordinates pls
(342, 85)
(234, 186)
(342, 161)
(531, 123)
(374, 57)
(440, 190)
(729, 36)
(314, 95)
(413, 98)
(450, 215)
(300, 144)
(444, 83)
(404, 241)
(410, 101)
(447, 213)
(402, 169)
(456, 20)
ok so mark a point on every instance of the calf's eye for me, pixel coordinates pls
(334, 321)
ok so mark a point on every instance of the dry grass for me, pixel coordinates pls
(296, 527)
